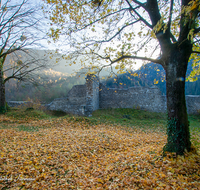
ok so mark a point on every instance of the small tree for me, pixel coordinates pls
(20, 29)
(120, 31)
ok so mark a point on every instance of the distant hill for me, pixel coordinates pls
(55, 81)
(149, 75)
(57, 61)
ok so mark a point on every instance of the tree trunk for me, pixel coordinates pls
(2, 93)
(178, 126)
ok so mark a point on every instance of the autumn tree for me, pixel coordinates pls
(118, 32)
(20, 30)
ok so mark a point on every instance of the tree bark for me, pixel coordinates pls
(178, 140)
(2, 93)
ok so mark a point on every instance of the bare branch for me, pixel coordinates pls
(97, 20)
(122, 28)
(18, 26)
(127, 57)
(136, 57)
(140, 17)
(170, 15)
(139, 3)
(14, 16)
(196, 41)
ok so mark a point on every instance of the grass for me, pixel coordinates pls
(120, 116)
(27, 114)
(27, 128)
(134, 118)
(140, 118)
(131, 118)
(145, 120)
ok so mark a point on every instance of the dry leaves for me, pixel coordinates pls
(73, 155)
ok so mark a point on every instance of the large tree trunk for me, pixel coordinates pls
(2, 93)
(178, 126)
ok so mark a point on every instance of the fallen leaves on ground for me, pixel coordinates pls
(75, 155)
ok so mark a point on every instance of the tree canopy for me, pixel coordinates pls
(120, 31)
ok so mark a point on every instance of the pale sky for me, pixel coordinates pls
(62, 47)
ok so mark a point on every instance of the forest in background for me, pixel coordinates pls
(52, 85)
(151, 74)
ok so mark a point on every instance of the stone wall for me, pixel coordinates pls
(193, 104)
(92, 94)
(84, 99)
(135, 97)
(18, 103)
(74, 103)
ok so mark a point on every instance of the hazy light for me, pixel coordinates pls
(180, 79)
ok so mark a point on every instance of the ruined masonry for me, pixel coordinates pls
(93, 95)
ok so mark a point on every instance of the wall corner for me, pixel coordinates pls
(92, 94)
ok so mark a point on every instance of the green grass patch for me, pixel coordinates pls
(131, 117)
(56, 113)
(27, 128)
(4, 126)
(27, 113)
(195, 129)
(144, 120)
(21, 127)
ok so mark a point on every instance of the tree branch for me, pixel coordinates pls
(197, 40)
(153, 10)
(14, 15)
(127, 57)
(139, 3)
(197, 30)
(125, 9)
(154, 13)
(141, 18)
(170, 15)
(136, 57)
(173, 38)
(117, 33)
(122, 28)
(198, 52)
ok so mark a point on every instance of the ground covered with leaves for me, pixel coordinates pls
(66, 153)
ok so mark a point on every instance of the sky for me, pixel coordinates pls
(49, 44)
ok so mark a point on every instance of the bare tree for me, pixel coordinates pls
(20, 30)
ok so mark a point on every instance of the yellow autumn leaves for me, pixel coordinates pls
(65, 154)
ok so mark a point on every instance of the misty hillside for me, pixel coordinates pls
(57, 80)
(149, 75)
(55, 60)
(52, 85)
(54, 81)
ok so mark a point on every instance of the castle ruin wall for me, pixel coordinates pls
(74, 103)
(144, 98)
(84, 99)
(92, 94)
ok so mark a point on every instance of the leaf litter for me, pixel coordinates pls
(64, 154)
